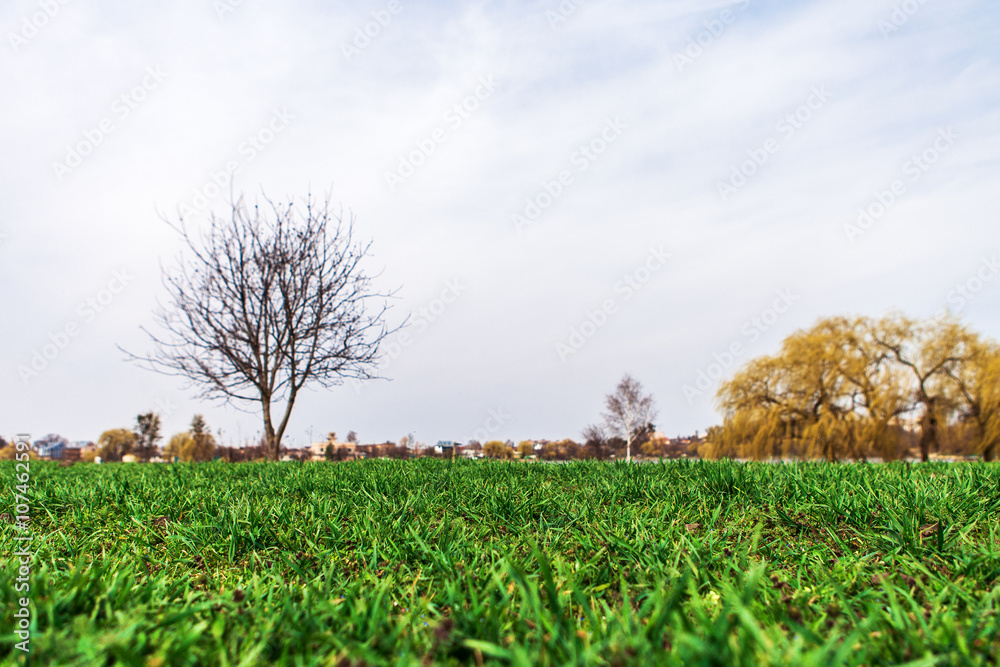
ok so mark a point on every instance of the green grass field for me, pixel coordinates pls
(426, 562)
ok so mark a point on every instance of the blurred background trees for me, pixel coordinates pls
(116, 443)
(147, 433)
(495, 449)
(563, 450)
(197, 444)
(860, 388)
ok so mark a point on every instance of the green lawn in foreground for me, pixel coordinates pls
(479, 562)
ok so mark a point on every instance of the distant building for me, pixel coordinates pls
(446, 448)
(342, 451)
(473, 450)
(289, 454)
(51, 446)
(318, 449)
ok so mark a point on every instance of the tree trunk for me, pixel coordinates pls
(928, 434)
(270, 441)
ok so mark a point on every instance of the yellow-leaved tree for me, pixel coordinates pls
(864, 387)
(116, 443)
(495, 449)
(194, 445)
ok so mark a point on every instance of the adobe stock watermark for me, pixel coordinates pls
(121, 108)
(714, 28)
(35, 22)
(562, 13)
(165, 407)
(86, 312)
(454, 117)
(495, 420)
(363, 35)
(223, 8)
(626, 288)
(246, 152)
(965, 292)
(900, 16)
(422, 319)
(581, 158)
(913, 170)
(726, 360)
(789, 124)
(22, 557)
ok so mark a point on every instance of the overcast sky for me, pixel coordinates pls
(638, 187)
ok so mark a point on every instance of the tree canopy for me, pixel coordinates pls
(116, 443)
(864, 387)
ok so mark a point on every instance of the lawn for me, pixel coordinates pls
(481, 562)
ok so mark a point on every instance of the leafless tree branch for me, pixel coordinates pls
(269, 300)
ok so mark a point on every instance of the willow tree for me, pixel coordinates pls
(820, 394)
(878, 390)
(796, 402)
(852, 387)
(760, 417)
(268, 300)
(975, 388)
(930, 352)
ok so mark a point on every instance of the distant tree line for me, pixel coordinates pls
(195, 444)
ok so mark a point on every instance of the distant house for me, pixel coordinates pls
(52, 450)
(346, 451)
(74, 451)
(318, 449)
(51, 446)
(446, 448)
(342, 451)
(288, 454)
(473, 453)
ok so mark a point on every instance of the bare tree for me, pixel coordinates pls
(270, 300)
(595, 441)
(629, 414)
